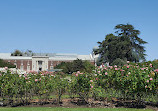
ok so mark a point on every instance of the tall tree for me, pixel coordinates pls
(125, 45)
(135, 49)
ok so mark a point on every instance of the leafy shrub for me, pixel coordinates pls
(76, 65)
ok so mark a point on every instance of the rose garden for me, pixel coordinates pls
(132, 85)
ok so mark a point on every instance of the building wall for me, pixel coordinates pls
(33, 63)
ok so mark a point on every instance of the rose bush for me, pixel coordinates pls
(131, 81)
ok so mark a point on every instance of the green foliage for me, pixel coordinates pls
(126, 45)
(133, 81)
(60, 86)
(20, 53)
(76, 65)
(80, 84)
(17, 53)
(119, 62)
(6, 64)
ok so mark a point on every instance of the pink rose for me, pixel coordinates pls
(26, 78)
(127, 66)
(106, 73)
(115, 66)
(127, 61)
(96, 78)
(36, 80)
(91, 86)
(147, 81)
(116, 69)
(19, 75)
(76, 75)
(6, 68)
(156, 70)
(91, 80)
(142, 68)
(146, 86)
(151, 79)
(105, 68)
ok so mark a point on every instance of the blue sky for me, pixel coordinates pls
(73, 26)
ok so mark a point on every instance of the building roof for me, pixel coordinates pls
(8, 56)
(52, 56)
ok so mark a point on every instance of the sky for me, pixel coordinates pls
(73, 26)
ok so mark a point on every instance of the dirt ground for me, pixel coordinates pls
(76, 103)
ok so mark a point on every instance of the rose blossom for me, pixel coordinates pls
(76, 75)
(91, 86)
(151, 79)
(106, 73)
(156, 70)
(6, 68)
(91, 80)
(147, 81)
(36, 80)
(26, 78)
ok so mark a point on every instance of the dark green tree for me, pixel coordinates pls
(76, 65)
(17, 53)
(125, 45)
(135, 51)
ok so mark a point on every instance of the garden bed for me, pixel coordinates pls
(78, 103)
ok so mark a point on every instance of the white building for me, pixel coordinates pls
(43, 61)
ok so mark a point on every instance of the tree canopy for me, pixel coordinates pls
(21, 53)
(125, 45)
(76, 65)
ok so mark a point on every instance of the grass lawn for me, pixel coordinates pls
(70, 109)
